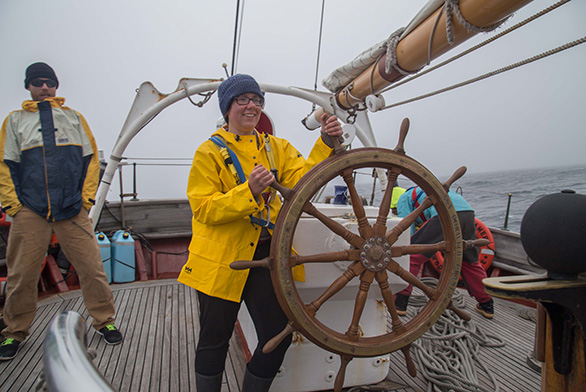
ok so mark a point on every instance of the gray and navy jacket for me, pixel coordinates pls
(48, 160)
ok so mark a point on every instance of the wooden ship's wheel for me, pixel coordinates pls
(371, 254)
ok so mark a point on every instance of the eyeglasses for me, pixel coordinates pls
(39, 82)
(243, 100)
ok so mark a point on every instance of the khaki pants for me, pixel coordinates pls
(28, 242)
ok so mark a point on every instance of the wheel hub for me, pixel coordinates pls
(375, 254)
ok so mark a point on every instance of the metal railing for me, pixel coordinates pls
(67, 364)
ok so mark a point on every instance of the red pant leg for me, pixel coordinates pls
(473, 273)
(415, 263)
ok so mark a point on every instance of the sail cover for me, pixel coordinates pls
(342, 76)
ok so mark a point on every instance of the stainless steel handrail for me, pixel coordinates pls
(67, 363)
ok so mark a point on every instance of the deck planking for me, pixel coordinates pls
(508, 364)
(160, 322)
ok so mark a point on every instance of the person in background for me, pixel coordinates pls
(234, 211)
(397, 192)
(427, 230)
(48, 180)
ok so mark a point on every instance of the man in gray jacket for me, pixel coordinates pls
(48, 179)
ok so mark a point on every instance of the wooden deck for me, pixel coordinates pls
(508, 364)
(159, 319)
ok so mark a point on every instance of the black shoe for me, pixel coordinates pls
(111, 335)
(486, 308)
(8, 349)
(401, 302)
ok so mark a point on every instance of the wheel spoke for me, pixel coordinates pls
(380, 226)
(408, 277)
(334, 226)
(383, 283)
(339, 382)
(397, 251)
(246, 264)
(410, 364)
(364, 227)
(345, 255)
(276, 340)
(365, 281)
(393, 234)
(353, 271)
(459, 312)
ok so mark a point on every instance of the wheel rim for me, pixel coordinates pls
(285, 288)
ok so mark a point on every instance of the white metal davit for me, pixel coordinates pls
(149, 102)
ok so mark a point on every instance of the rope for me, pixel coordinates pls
(493, 73)
(206, 97)
(391, 58)
(478, 46)
(448, 353)
(453, 7)
(321, 27)
(237, 36)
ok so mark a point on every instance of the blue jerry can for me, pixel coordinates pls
(106, 254)
(123, 262)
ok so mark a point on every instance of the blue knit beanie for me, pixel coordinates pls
(234, 86)
(39, 70)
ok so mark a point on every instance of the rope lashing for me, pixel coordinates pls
(391, 59)
(452, 7)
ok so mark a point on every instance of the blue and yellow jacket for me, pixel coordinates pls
(48, 160)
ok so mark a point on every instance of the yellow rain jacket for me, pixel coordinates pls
(221, 226)
(48, 160)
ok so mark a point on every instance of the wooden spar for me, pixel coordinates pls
(412, 50)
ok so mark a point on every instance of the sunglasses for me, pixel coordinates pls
(39, 82)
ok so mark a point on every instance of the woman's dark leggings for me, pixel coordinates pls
(218, 317)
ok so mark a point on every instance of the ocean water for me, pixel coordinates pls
(488, 193)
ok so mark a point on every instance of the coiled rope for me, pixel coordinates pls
(448, 353)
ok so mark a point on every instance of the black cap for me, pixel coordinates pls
(39, 70)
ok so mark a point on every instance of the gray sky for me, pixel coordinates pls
(102, 51)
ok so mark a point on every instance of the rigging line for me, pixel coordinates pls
(236, 35)
(321, 26)
(239, 35)
(493, 73)
(478, 46)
